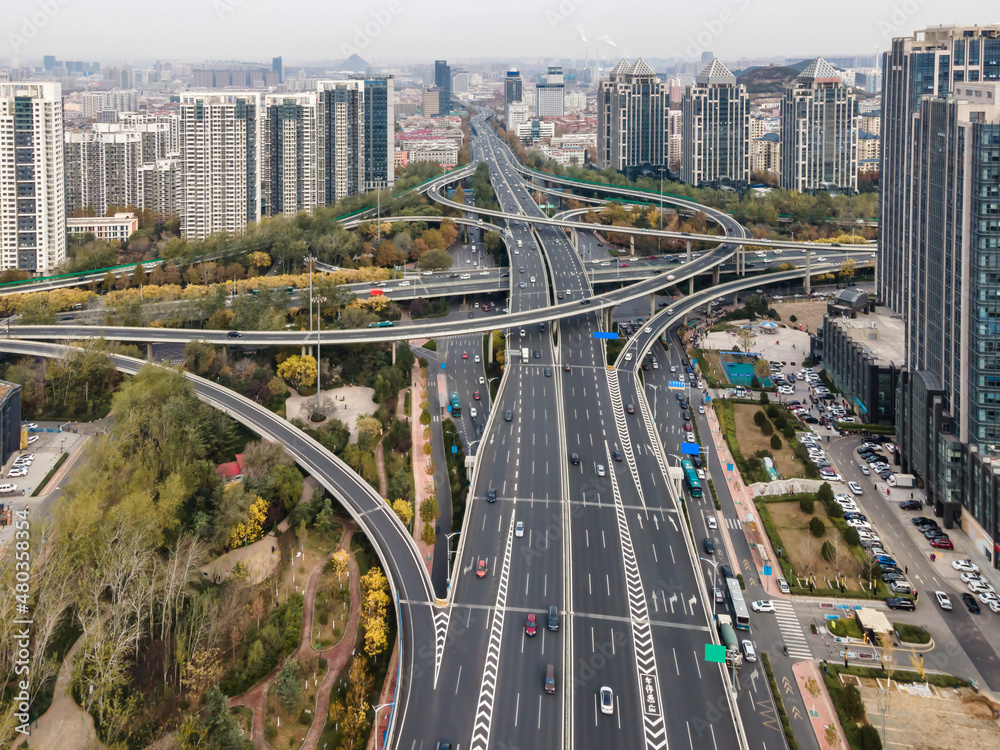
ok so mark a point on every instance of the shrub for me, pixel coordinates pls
(772, 411)
(851, 702)
(775, 442)
(789, 432)
(763, 397)
(868, 738)
(807, 505)
(754, 382)
(766, 428)
(760, 419)
(816, 527)
(835, 511)
(851, 536)
(825, 492)
(827, 551)
(780, 423)
(792, 318)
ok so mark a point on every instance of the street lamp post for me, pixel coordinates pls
(311, 260)
(377, 709)
(319, 326)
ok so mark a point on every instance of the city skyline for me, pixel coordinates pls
(398, 30)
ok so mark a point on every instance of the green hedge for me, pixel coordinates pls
(431, 346)
(715, 497)
(911, 633)
(877, 429)
(61, 460)
(786, 725)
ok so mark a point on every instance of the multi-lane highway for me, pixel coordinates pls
(570, 508)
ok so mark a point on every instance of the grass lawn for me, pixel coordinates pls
(804, 549)
(845, 628)
(333, 608)
(751, 439)
(295, 719)
(708, 361)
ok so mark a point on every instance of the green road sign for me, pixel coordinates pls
(715, 653)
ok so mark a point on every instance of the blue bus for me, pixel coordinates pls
(456, 408)
(691, 479)
(741, 617)
(382, 324)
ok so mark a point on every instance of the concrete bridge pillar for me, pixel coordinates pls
(394, 351)
(225, 356)
(490, 334)
(149, 352)
(607, 319)
(652, 305)
(303, 350)
(715, 275)
(808, 270)
(691, 280)
(631, 243)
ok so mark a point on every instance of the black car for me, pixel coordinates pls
(911, 505)
(567, 368)
(548, 372)
(935, 534)
(890, 577)
(725, 571)
(616, 456)
(696, 460)
(235, 335)
(585, 302)
(537, 353)
(709, 546)
(472, 315)
(574, 458)
(491, 496)
(919, 520)
(687, 416)
(970, 603)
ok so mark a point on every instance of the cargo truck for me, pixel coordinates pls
(906, 480)
(524, 354)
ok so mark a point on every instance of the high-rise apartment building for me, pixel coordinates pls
(342, 122)
(442, 80)
(160, 188)
(716, 130)
(102, 169)
(278, 68)
(460, 82)
(380, 123)
(513, 93)
(430, 102)
(92, 103)
(551, 95)
(220, 156)
(675, 138)
(819, 132)
(939, 266)
(32, 177)
(291, 154)
(632, 105)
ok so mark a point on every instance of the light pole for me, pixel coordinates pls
(715, 583)
(319, 326)
(311, 260)
(377, 708)
(448, 542)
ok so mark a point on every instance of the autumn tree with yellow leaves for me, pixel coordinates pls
(252, 529)
(299, 370)
(374, 606)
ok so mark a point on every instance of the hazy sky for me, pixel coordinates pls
(385, 30)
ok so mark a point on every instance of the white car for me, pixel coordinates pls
(8, 487)
(649, 329)
(472, 412)
(628, 356)
(748, 651)
(859, 524)
(783, 586)
(971, 576)
(855, 488)
(607, 700)
(942, 599)
(519, 529)
(981, 587)
(701, 409)
(965, 565)
(764, 605)
(477, 359)
(31, 425)
(712, 522)
(689, 437)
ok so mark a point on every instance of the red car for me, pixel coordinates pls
(530, 626)
(475, 395)
(942, 544)
(481, 569)
(630, 409)
(465, 355)
(623, 265)
(687, 427)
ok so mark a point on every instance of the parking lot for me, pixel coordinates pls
(46, 451)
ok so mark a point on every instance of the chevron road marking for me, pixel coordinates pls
(487, 689)
(441, 620)
(653, 725)
(623, 436)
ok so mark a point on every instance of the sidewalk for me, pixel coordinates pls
(423, 482)
(819, 706)
(385, 697)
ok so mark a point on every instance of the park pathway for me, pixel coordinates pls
(336, 656)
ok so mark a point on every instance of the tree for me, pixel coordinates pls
(403, 510)
(868, 737)
(374, 605)
(351, 715)
(847, 269)
(828, 552)
(340, 563)
(299, 370)
(324, 519)
(221, 729)
(760, 418)
(825, 493)
(201, 671)
(745, 337)
(287, 684)
(816, 526)
(369, 431)
(429, 510)
(806, 504)
(249, 531)
(775, 442)
(762, 369)
(286, 483)
(434, 260)
(139, 275)
(258, 259)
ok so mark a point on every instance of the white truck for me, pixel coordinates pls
(906, 480)
(524, 354)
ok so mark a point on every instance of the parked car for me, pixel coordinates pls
(970, 603)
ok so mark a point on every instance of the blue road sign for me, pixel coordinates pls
(454, 449)
(729, 467)
(675, 385)
(693, 362)
(691, 449)
(767, 570)
(448, 407)
(442, 365)
(600, 335)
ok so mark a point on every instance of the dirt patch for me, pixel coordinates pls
(804, 550)
(751, 439)
(932, 718)
(808, 314)
(708, 362)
